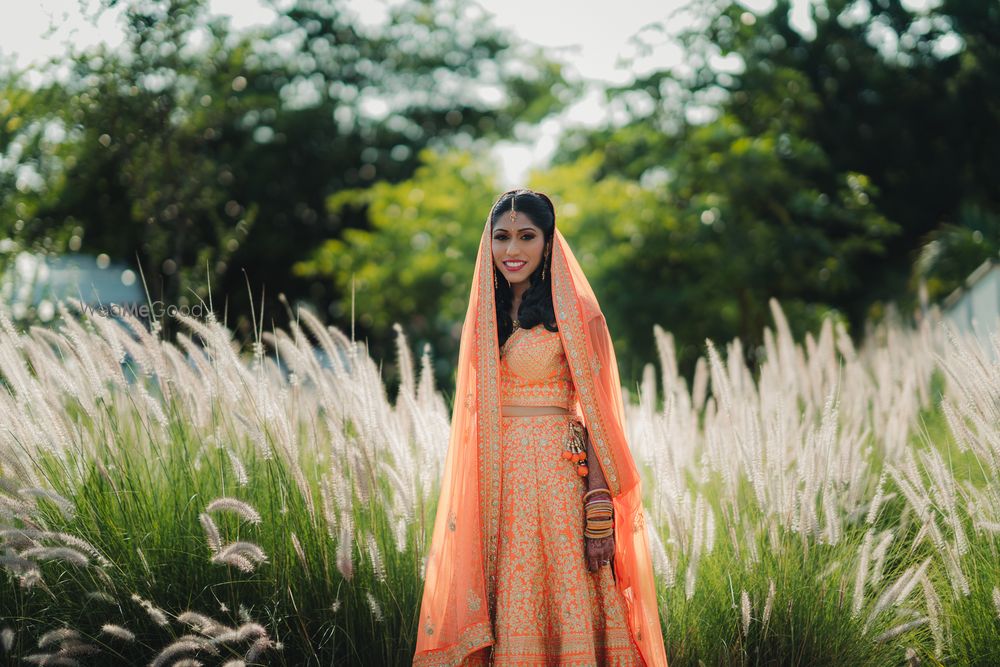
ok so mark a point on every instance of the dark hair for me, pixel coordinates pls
(536, 304)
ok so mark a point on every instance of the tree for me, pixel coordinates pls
(202, 162)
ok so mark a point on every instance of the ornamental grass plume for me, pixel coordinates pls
(236, 506)
(118, 632)
(7, 637)
(241, 554)
(808, 466)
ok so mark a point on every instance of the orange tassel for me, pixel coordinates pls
(568, 455)
(582, 471)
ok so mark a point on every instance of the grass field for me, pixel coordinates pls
(198, 505)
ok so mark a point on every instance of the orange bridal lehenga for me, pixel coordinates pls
(506, 580)
(550, 608)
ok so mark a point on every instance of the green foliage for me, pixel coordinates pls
(205, 155)
(414, 265)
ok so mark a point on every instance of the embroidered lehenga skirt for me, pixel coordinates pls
(550, 608)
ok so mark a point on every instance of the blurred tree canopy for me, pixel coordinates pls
(837, 166)
(201, 153)
(822, 166)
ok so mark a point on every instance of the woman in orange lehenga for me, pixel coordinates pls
(537, 557)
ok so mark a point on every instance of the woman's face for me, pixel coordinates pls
(517, 247)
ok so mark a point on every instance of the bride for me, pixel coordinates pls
(539, 554)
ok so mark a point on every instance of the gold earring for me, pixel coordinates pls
(543, 262)
(495, 286)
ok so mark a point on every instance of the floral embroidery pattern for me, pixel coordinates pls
(488, 418)
(474, 637)
(550, 608)
(473, 601)
(534, 370)
(571, 325)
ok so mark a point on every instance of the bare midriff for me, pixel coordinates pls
(531, 410)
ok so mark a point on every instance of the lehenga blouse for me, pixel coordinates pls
(534, 370)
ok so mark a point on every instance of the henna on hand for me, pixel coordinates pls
(599, 549)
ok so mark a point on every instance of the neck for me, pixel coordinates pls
(519, 289)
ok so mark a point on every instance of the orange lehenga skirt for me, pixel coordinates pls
(550, 608)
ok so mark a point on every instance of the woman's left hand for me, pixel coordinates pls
(599, 550)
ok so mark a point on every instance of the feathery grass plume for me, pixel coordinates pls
(996, 600)
(239, 470)
(202, 623)
(935, 613)
(75, 647)
(345, 546)
(768, 602)
(876, 501)
(64, 554)
(249, 630)
(899, 590)
(188, 662)
(29, 578)
(378, 566)
(862, 576)
(956, 576)
(878, 557)
(690, 577)
(373, 604)
(101, 596)
(242, 509)
(900, 629)
(745, 611)
(206, 644)
(53, 637)
(154, 612)
(118, 632)
(241, 554)
(257, 649)
(7, 639)
(211, 532)
(234, 663)
(177, 649)
(297, 545)
(64, 505)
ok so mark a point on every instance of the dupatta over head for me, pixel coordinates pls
(460, 577)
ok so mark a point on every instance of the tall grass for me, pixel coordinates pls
(834, 506)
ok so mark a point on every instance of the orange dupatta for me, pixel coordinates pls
(460, 577)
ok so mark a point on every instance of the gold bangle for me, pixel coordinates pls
(593, 491)
(597, 536)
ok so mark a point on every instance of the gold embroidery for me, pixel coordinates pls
(571, 325)
(550, 609)
(473, 601)
(534, 371)
(488, 419)
(451, 521)
(473, 638)
(638, 522)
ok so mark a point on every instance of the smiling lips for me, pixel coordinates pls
(513, 265)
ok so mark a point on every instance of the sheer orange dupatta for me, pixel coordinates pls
(460, 578)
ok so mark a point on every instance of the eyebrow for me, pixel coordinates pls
(522, 229)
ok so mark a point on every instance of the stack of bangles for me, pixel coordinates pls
(598, 515)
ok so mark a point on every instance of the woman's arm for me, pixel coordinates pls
(600, 550)
(595, 475)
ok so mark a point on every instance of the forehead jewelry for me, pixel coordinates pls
(513, 212)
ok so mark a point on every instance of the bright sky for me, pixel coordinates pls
(590, 35)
